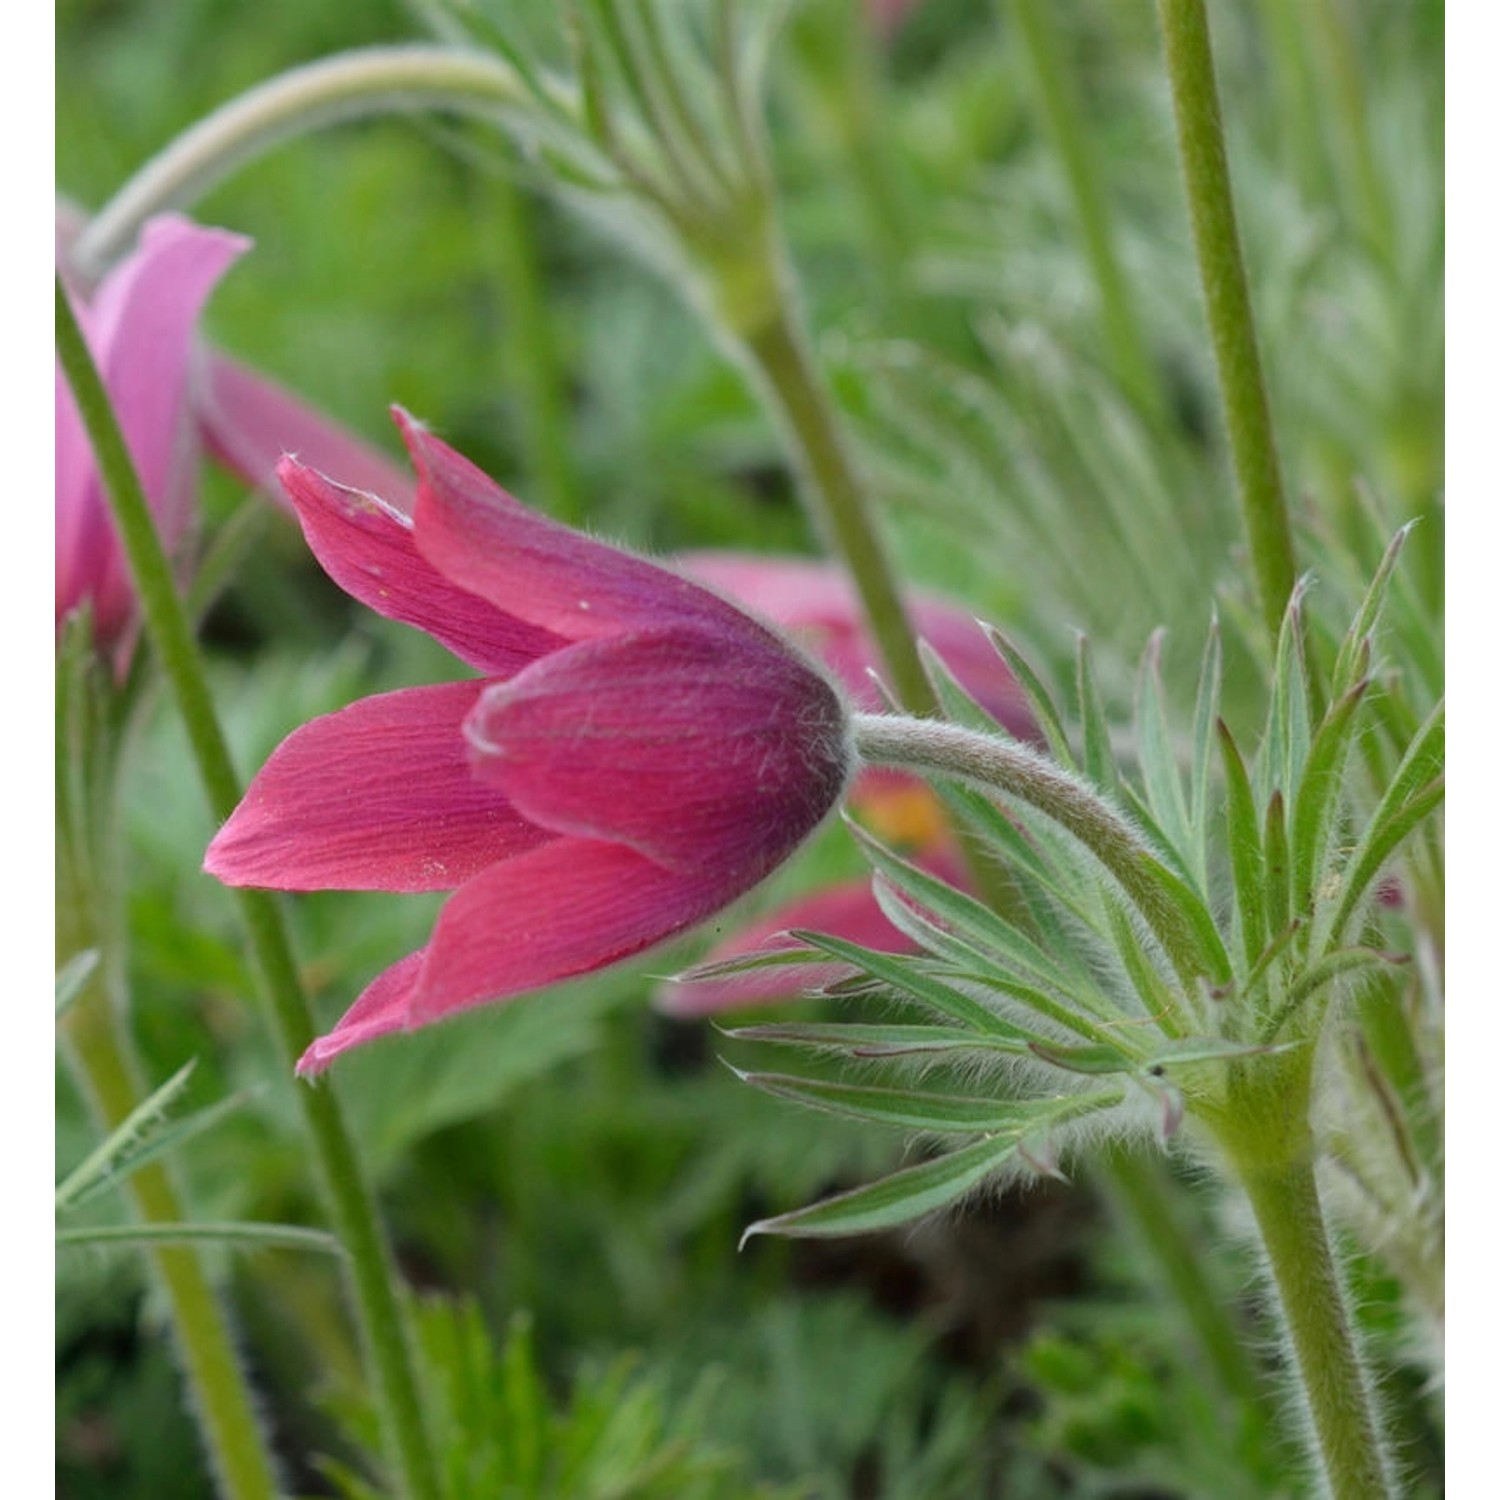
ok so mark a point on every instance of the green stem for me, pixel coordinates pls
(775, 349)
(103, 1064)
(1349, 1446)
(1062, 111)
(347, 86)
(1247, 412)
(531, 352)
(347, 1193)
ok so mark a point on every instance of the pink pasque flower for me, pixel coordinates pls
(173, 396)
(140, 325)
(817, 605)
(637, 754)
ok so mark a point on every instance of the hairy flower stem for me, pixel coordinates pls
(1247, 411)
(1063, 115)
(103, 1063)
(347, 1193)
(347, 86)
(775, 348)
(1012, 770)
(1269, 1146)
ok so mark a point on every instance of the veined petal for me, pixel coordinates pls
(251, 422)
(689, 749)
(366, 546)
(382, 1009)
(378, 796)
(562, 910)
(847, 910)
(480, 538)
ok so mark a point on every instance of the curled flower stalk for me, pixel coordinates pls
(637, 754)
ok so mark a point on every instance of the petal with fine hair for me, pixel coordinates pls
(366, 546)
(690, 751)
(485, 541)
(375, 797)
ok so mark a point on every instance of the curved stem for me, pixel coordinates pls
(346, 1190)
(1247, 412)
(103, 1064)
(347, 86)
(996, 765)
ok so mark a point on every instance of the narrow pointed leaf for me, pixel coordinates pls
(1158, 759)
(1206, 716)
(1098, 1057)
(1246, 856)
(904, 975)
(1042, 706)
(873, 1040)
(1277, 884)
(239, 1236)
(1346, 671)
(1319, 800)
(911, 1109)
(897, 1199)
(98, 1168)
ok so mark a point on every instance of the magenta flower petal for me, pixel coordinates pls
(480, 538)
(250, 423)
(378, 796)
(818, 604)
(686, 746)
(139, 326)
(367, 547)
(559, 911)
(847, 910)
(382, 1009)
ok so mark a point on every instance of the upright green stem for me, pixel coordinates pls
(347, 86)
(1247, 412)
(1350, 1449)
(102, 1061)
(347, 1193)
(776, 350)
(1063, 112)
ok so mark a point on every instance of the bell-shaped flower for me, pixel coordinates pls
(174, 397)
(817, 605)
(637, 754)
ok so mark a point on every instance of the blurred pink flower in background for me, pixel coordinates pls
(637, 754)
(140, 324)
(173, 397)
(817, 605)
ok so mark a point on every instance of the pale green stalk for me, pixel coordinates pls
(346, 1190)
(347, 86)
(1226, 293)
